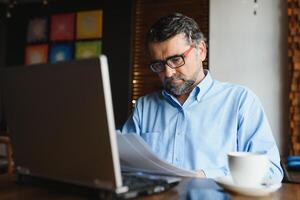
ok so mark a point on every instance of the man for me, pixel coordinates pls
(195, 121)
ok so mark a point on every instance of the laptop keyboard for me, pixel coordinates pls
(138, 182)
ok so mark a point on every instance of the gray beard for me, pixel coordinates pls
(178, 90)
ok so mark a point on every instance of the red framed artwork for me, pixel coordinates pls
(62, 27)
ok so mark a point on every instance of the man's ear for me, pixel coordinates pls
(202, 50)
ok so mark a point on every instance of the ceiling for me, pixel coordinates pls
(22, 1)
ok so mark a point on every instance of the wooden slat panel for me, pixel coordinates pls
(146, 12)
(294, 65)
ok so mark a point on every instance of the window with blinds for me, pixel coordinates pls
(145, 13)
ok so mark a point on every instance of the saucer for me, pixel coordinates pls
(262, 190)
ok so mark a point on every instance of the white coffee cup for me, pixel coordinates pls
(248, 169)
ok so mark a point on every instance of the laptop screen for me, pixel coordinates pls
(61, 121)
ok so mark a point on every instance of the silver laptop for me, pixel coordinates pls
(60, 117)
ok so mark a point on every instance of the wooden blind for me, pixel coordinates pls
(294, 65)
(145, 13)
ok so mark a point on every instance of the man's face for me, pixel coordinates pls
(180, 80)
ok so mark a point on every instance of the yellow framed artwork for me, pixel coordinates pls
(89, 24)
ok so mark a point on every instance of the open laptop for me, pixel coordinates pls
(60, 117)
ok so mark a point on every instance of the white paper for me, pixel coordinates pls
(135, 155)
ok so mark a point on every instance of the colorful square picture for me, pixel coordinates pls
(36, 54)
(87, 49)
(89, 24)
(62, 27)
(37, 30)
(60, 52)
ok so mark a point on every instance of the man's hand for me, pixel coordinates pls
(200, 174)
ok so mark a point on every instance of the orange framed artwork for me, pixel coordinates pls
(36, 54)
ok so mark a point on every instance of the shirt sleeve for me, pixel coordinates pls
(254, 134)
(132, 123)
(215, 172)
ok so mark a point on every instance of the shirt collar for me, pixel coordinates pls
(199, 91)
(204, 85)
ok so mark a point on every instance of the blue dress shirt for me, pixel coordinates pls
(217, 118)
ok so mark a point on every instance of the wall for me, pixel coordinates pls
(252, 50)
(116, 40)
(2, 35)
(2, 60)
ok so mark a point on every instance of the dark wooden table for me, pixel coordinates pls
(10, 190)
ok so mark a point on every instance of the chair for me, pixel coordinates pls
(6, 141)
(290, 176)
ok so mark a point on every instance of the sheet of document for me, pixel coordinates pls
(135, 155)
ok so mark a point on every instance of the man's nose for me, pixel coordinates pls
(169, 72)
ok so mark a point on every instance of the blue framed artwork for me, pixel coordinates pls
(61, 52)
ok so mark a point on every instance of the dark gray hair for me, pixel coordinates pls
(173, 24)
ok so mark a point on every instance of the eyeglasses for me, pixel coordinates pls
(173, 62)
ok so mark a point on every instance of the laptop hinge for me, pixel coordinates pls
(122, 189)
(23, 170)
(118, 190)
